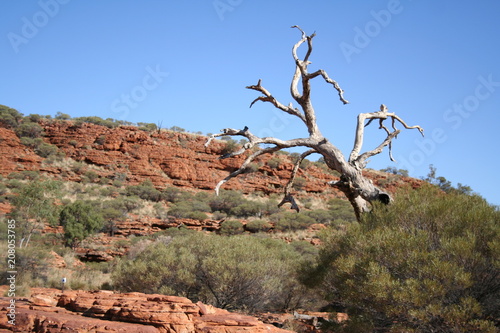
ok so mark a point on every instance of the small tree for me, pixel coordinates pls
(34, 206)
(79, 220)
(359, 190)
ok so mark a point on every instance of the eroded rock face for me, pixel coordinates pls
(14, 155)
(50, 311)
(170, 158)
(166, 158)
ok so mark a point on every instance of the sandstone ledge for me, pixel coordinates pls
(50, 311)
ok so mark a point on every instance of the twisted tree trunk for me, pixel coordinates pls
(359, 190)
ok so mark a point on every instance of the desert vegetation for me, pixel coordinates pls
(428, 262)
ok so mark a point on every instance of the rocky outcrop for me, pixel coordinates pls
(14, 155)
(167, 158)
(170, 158)
(50, 311)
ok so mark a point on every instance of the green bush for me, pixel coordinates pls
(189, 209)
(231, 227)
(110, 123)
(33, 205)
(293, 221)
(247, 209)
(29, 130)
(234, 272)
(226, 201)
(230, 147)
(80, 219)
(321, 215)
(62, 116)
(396, 171)
(274, 162)
(172, 194)
(427, 263)
(25, 175)
(258, 226)
(9, 117)
(341, 210)
(145, 191)
(148, 127)
(40, 147)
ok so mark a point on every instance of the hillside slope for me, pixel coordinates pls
(166, 158)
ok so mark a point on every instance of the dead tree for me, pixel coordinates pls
(359, 190)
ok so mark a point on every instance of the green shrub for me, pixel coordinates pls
(101, 139)
(234, 272)
(321, 215)
(33, 205)
(293, 221)
(40, 147)
(396, 171)
(427, 263)
(25, 175)
(299, 183)
(341, 210)
(148, 127)
(110, 123)
(145, 191)
(29, 130)
(226, 201)
(172, 194)
(62, 116)
(231, 227)
(10, 118)
(91, 176)
(230, 147)
(258, 226)
(79, 220)
(274, 162)
(189, 209)
(247, 209)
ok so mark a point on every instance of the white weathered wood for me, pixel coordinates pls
(359, 190)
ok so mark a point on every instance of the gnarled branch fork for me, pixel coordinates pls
(359, 190)
(383, 114)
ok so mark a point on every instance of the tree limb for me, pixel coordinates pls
(268, 97)
(288, 197)
(245, 165)
(382, 115)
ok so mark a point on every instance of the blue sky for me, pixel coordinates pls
(186, 64)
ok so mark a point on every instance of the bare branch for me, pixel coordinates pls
(382, 115)
(268, 97)
(361, 160)
(244, 166)
(332, 82)
(231, 132)
(288, 196)
(296, 167)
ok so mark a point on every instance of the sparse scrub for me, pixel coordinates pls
(219, 270)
